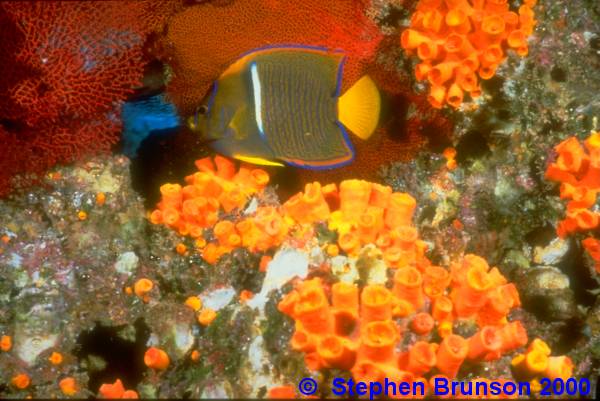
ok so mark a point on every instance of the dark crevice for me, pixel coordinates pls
(472, 145)
(580, 278)
(393, 117)
(541, 236)
(165, 156)
(558, 74)
(124, 359)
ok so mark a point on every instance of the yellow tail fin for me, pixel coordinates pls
(359, 107)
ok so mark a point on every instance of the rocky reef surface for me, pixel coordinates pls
(73, 249)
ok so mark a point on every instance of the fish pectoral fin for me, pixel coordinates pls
(359, 108)
(257, 160)
(237, 122)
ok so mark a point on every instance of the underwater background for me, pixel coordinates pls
(147, 249)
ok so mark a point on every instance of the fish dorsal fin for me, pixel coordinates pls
(236, 66)
(359, 107)
(257, 160)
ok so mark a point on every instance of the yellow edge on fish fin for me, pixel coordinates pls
(257, 160)
(359, 108)
(237, 65)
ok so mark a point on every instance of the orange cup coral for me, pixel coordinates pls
(68, 386)
(577, 168)
(116, 390)
(537, 363)
(362, 330)
(216, 186)
(459, 40)
(156, 358)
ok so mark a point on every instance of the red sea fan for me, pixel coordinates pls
(65, 67)
(204, 39)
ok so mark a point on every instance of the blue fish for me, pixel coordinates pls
(144, 117)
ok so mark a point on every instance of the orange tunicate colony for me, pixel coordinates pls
(345, 327)
(116, 390)
(361, 329)
(217, 186)
(460, 41)
(592, 246)
(537, 363)
(361, 212)
(577, 168)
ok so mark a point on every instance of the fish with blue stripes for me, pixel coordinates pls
(282, 105)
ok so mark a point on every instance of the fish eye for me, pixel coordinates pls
(202, 109)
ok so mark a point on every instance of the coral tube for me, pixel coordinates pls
(156, 358)
(536, 362)
(442, 309)
(485, 341)
(435, 281)
(345, 296)
(404, 237)
(288, 303)
(380, 195)
(571, 155)
(513, 336)
(337, 352)
(114, 390)
(421, 358)
(378, 340)
(400, 210)
(497, 307)
(232, 198)
(422, 323)
(472, 296)
(223, 230)
(171, 195)
(349, 242)
(302, 340)
(370, 224)
(312, 309)
(354, 198)
(367, 371)
(408, 285)
(308, 207)
(451, 353)
(376, 303)
(317, 207)
(559, 367)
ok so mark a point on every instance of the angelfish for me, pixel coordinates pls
(282, 105)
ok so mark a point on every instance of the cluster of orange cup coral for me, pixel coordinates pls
(265, 229)
(205, 316)
(216, 186)
(156, 358)
(116, 390)
(459, 40)
(362, 330)
(592, 246)
(537, 363)
(577, 168)
(362, 212)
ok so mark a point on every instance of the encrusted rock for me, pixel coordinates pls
(545, 291)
